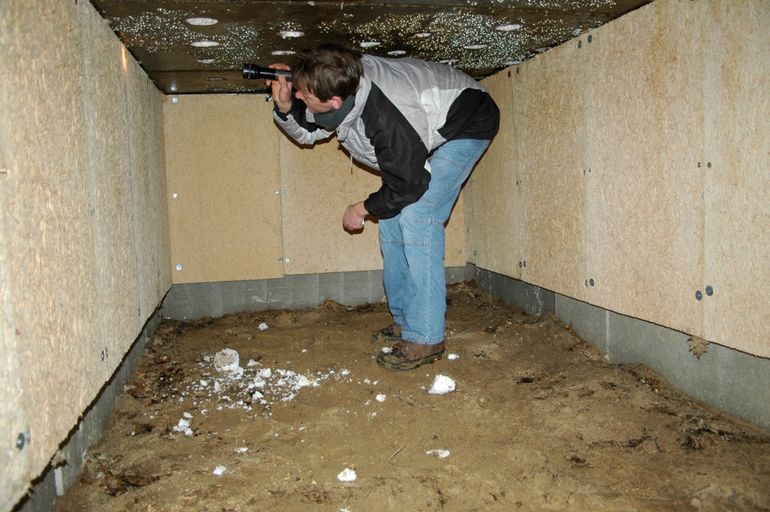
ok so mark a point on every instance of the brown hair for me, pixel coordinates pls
(328, 70)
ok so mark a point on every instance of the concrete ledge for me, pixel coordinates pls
(56, 481)
(198, 300)
(724, 378)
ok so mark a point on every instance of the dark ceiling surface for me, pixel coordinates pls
(200, 46)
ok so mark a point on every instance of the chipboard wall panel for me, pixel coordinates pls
(736, 170)
(247, 203)
(643, 140)
(642, 170)
(317, 184)
(493, 195)
(550, 129)
(77, 225)
(223, 181)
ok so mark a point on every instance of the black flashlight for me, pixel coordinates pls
(254, 72)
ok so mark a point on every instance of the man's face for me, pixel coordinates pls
(315, 105)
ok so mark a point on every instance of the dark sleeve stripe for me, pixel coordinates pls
(400, 153)
(473, 115)
(297, 111)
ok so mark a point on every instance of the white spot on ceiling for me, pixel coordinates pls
(289, 34)
(508, 27)
(202, 22)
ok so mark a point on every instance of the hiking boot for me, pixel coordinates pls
(406, 355)
(389, 333)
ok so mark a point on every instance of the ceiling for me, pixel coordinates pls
(200, 46)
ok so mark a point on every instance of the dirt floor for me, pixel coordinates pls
(538, 420)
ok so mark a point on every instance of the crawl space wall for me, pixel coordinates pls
(247, 203)
(83, 223)
(632, 171)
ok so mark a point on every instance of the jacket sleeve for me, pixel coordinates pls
(401, 156)
(296, 125)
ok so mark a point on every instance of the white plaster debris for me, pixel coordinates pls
(184, 427)
(255, 387)
(453, 357)
(380, 397)
(386, 350)
(263, 326)
(226, 361)
(219, 470)
(442, 385)
(439, 454)
(241, 449)
(347, 475)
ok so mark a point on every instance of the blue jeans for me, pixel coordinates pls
(412, 245)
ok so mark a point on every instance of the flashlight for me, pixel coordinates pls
(254, 72)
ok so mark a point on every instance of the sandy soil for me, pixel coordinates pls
(538, 421)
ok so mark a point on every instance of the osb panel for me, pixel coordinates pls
(149, 216)
(737, 192)
(643, 144)
(493, 200)
(317, 184)
(15, 468)
(111, 173)
(46, 219)
(550, 119)
(222, 177)
(67, 204)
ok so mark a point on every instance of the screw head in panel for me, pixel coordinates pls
(698, 295)
(709, 290)
(21, 440)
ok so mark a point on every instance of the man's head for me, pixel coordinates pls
(326, 72)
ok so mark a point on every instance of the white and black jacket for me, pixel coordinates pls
(404, 109)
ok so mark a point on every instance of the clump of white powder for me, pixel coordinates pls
(226, 361)
(439, 454)
(347, 475)
(184, 425)
(442, 385)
